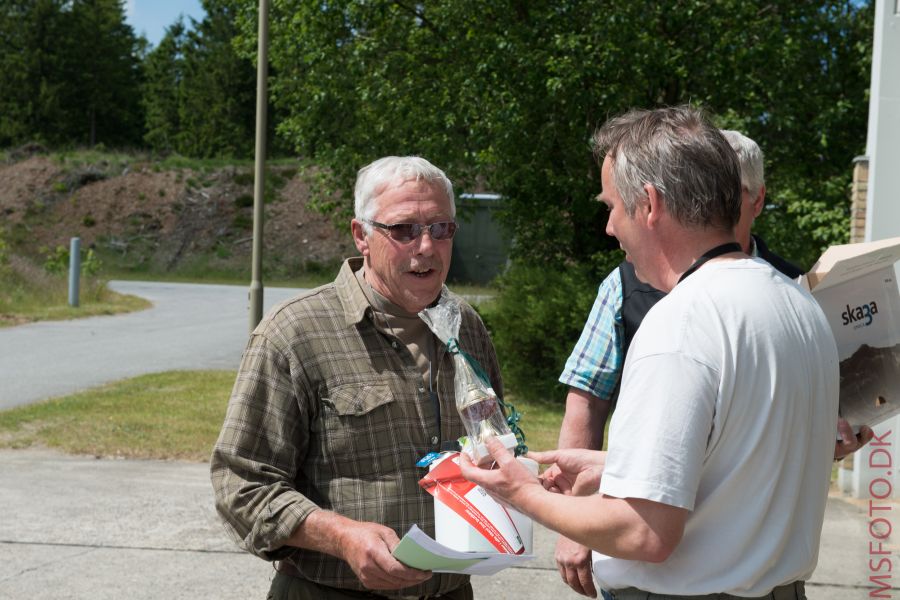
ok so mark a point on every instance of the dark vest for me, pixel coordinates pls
(637, 299)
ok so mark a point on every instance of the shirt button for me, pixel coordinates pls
(394, 344)
(434, 439)
(421, 389)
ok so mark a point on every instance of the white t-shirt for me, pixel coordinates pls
(728, 408)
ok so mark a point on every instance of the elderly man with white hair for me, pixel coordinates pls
(341, 390)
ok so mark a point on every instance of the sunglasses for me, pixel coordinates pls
(407, 232)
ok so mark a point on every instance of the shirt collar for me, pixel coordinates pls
(353, 299)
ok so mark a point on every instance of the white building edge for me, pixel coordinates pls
(876, 468)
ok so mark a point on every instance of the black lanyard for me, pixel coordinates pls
(710, 254)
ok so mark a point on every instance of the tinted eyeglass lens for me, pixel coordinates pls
(443, 230)
(404, 232)
(407, 232)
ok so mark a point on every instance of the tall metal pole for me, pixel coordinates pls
(262, 73)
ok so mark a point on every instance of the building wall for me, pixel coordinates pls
(858, 195)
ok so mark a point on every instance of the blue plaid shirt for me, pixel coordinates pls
(595, 364)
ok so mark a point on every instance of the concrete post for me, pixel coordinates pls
(74, 270)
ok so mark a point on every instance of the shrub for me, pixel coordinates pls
(4, 255)
(536, 319)
(56, 261)
(244, 200)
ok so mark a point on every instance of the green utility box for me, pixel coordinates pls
(480, 248)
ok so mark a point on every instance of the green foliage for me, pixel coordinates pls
(536, 318)
(244, 200)
(199, 95)
(161, 91)
(69, 73)
(4, 255)
(218, 92)
(511, 91)
(56, 261)
(506, 94)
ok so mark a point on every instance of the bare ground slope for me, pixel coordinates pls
(146, 216)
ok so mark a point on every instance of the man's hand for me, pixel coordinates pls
(574, 563)
(509, 482)
(849, 443)
(575, 471)
(367, 549)
(364, 545)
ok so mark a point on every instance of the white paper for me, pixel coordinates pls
(417, 549)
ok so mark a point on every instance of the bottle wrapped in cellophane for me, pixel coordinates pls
(481, 411)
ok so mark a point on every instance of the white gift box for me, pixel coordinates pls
(467, 519)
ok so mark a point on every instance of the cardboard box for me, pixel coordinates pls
(856, 286)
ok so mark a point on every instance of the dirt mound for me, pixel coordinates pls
(150, 216)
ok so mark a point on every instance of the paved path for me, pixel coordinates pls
(76, 527)
(82, 528)
(190, 326)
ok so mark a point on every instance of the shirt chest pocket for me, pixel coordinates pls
(357, 430)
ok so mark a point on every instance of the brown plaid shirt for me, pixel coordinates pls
(329, 411)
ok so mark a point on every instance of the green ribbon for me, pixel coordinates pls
(512, 415)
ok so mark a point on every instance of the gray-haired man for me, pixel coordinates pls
(594, 368)
(720, 449)
(340, 391)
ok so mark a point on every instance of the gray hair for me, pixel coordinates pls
(681, 154)
(750, 158)
(373, 179)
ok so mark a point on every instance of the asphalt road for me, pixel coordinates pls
(76, 527)
(190, 326)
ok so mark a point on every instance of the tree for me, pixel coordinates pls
(161, 92)
(506, 93)
(510, 90)
(200, 95)
(218, 90)
(69, 72)
(30, 65)
(102, 74)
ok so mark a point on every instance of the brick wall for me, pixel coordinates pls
(858, 199)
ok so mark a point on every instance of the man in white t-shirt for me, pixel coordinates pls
(719, 455)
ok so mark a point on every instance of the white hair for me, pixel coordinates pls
(373, 179)
(750, 158)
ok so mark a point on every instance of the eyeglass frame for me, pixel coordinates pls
(418, 230)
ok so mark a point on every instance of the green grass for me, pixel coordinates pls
(219, 276)
(172, 415)
(540, 422)
(109, 161)
(28, 293)
(203, 270)
(176, 161)
(110, 303)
